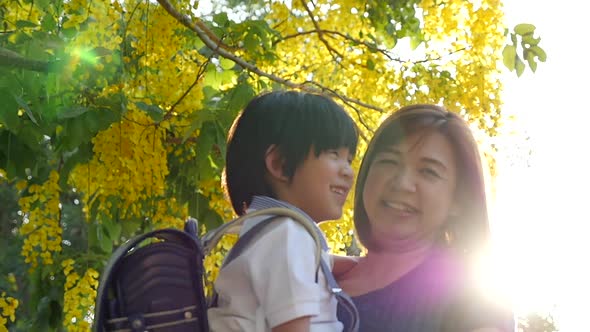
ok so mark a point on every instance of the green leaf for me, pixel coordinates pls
(530, 58)
(198, 207)
(113, 229)
(370, 64)
(130, 227)
(415, 41)
(251, 43)
(81, 154)
(226, 64)
(93, 235)
(48, 23)
(519, 66)
(155, 112)
(530, 40)
(539, 52)
(42, 4)
(70, 32)
(239, 97)
(72, 112)
(25, 24)
(215, 78)
(16, 154)
(509, 56)
(9, 110)
(27, 109)
(196, 124)
(105, 242)
(524, 28)
(221, 19)
(43, 310)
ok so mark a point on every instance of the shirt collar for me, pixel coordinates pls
(264, 202)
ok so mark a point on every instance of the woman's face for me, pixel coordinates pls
(409, 190)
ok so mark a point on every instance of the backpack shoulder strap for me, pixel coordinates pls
(211, 239)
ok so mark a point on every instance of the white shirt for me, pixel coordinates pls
(273, 281)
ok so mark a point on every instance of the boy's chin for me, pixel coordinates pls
(332, 216)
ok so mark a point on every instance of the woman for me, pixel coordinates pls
(420, 210)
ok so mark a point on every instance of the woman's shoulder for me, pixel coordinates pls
(470, 306)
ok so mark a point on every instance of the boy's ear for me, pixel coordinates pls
(274, 163)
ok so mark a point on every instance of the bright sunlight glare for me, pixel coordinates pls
(540, 212)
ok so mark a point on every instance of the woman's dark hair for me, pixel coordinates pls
(292, 121)
(468, 230)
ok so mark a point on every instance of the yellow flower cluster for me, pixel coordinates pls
(41, 227)
(8, 307)
(168, 65)
(79, 297)
(211, 188)
(339, 232)
(21, 10)
(129, 163)
(169, 214)
(213, 261)
(474, 33)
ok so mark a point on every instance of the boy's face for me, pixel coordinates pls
(321, 184)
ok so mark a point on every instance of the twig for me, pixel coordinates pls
(202, 68)
(358, 112)
(321, 35)
(204, 36)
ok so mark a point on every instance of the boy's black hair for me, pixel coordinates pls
(292, 121)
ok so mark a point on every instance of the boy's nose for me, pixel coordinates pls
(347, 170)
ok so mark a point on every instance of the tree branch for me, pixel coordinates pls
(358, 112)
(10, 58)
(321, 35)
(203, 33)
(371, 47)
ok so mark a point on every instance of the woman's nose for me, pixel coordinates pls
(404, 180)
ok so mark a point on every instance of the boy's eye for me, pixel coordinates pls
(334, 153)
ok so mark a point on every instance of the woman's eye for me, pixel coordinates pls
(430, 172)
(387, 161)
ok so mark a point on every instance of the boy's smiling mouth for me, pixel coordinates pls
(340, 190)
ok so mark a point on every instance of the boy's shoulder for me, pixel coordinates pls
(278, 226)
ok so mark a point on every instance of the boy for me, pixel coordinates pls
(286, 149)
